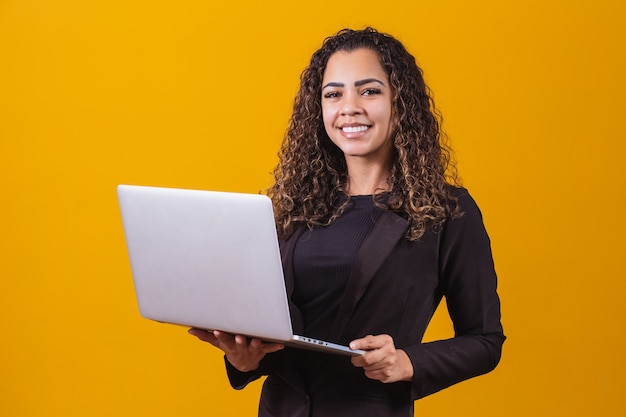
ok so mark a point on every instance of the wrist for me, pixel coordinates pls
(406, 366)
(243, 367)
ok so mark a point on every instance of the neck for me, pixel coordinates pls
(366, 179)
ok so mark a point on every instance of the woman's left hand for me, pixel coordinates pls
(382, 361)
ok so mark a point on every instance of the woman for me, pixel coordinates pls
(373, 234)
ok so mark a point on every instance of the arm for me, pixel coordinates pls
(466, 277)
(469, 282)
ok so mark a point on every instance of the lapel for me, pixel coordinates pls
(376, 247)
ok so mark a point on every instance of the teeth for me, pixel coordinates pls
(353, 129)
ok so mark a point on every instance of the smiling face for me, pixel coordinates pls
(356, 106)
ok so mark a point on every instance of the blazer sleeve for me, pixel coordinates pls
(468, 282)
(238, 380)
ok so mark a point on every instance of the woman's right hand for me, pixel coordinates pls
(242, 353)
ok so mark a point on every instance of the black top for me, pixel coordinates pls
(323, 259)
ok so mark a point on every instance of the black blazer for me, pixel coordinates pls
(394, 288)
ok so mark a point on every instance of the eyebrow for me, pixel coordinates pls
(356, 83)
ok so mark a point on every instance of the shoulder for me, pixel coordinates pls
(464, 242)
(467, 204)
(469, 223)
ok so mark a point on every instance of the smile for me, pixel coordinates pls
(354, 129)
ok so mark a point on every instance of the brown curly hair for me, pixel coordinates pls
(311, 174)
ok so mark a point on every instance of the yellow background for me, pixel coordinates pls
(197, 94)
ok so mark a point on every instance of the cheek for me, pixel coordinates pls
(327, 117)
(383, 112)
(384, 118)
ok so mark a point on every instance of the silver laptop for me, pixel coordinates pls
(210, 260)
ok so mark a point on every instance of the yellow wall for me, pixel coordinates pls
(194, 94)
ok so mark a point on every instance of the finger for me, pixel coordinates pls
(368, 360)
(265, 347)
(375, 367)
(224, 338)
(360, 360)
(376, 358)
(368, 342)
(384, 375)
(272, 347)
(196, 332)
(204, 336)
(241, 341)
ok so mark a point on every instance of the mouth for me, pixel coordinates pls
(354, 129)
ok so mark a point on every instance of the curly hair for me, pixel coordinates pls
(311, 174)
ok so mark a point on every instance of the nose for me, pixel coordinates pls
(351, 105)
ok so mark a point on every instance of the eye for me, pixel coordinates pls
(331, 94)
(371, 91)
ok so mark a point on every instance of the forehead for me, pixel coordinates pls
(357, 64)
